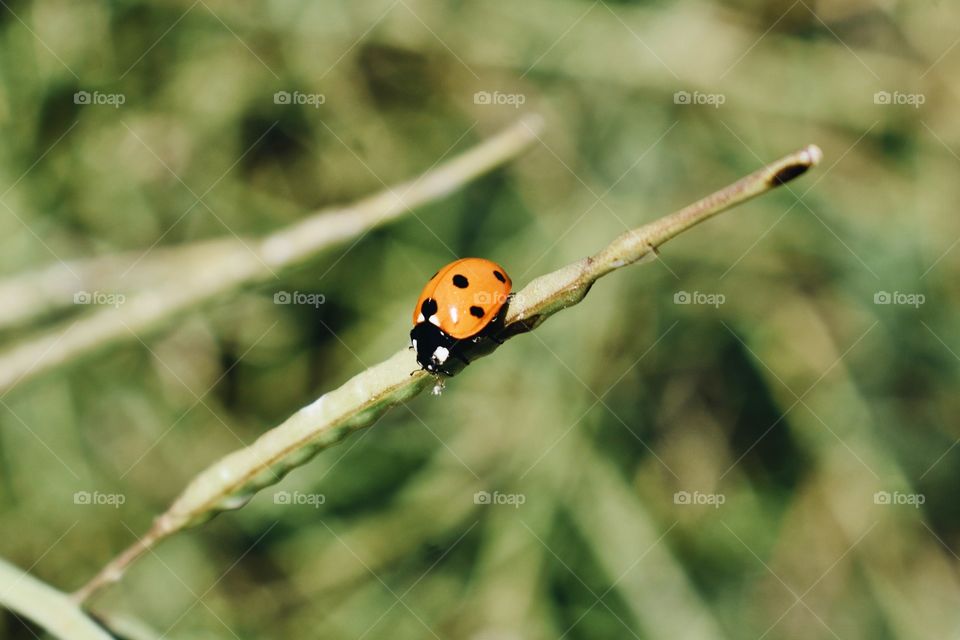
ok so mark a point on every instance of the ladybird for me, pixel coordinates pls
(458, 309)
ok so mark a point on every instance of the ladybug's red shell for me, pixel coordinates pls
(463, 297)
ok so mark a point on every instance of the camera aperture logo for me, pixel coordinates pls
(298, 97)
(299, 498)
(899, 498)
(698, 297)
(99, 297)
(899, 98)
(514, 100)
(97, 98)
(899, 297)
(299, 297)
(699, 498)
(698, 97)
(486, 497)
(96, 498)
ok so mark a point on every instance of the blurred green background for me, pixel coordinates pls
(752, 437)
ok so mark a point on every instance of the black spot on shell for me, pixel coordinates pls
(476, 311)
(499, 276)
(428, 308)
(460, 282)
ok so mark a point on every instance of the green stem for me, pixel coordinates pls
(24, 595)
(230, 482)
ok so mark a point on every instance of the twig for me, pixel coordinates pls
(30, 294)
(196, 273)
(54, 611)
(234, 479)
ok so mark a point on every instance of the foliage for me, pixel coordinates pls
(750, 437)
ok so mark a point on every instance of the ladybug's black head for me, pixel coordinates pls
(436, 351)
